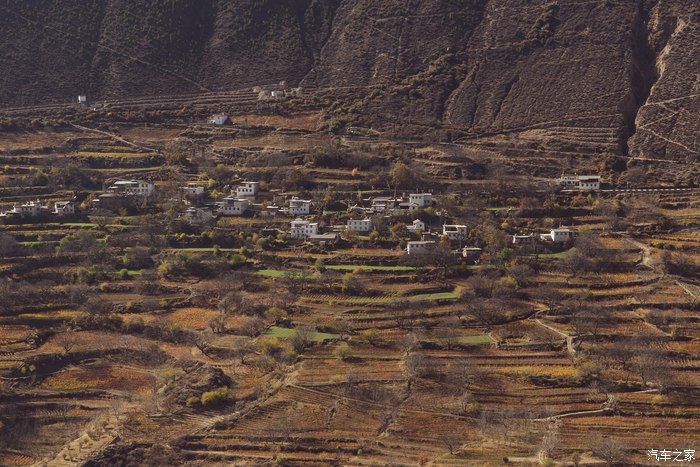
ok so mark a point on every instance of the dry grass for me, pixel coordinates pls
(103, 377)
(191, 318)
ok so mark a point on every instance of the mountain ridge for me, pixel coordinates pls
(479, 66)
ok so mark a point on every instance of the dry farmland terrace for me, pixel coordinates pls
(128, 335)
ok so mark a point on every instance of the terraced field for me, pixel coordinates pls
(132, 335)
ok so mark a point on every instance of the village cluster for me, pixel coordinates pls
(247, 200)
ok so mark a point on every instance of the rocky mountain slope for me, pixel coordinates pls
(619, 73)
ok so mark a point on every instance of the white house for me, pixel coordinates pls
(266, 94)
(247, 189)
(382, 203)
(589, 182)
(471, 253)
(31, 209)
(521, 239)
(419, 247)
(82, 100)
(192, 190)
(580, 182)
(421, 199)
(271, 210)
(198, 216)
(220, 120)
(64, 208)
(303, 229)
(132, 188)
(232, 206)
(324, 239)
(559, 235)
(455, 232)
(299, 207)
(416, 226)
(359, 225)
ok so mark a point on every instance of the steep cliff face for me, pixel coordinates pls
(667, 125)
(622, 75)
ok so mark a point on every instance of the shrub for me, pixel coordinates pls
(343, 351)
(278, 315)
(123, 274)
(193, 401)
(320, 266)
(270, 345)
(236, 260)
(165, 269)
(85, 275)
(216, 397)
(301, 339)
(371, 336)
(351, 283)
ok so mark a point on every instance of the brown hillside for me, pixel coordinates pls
(469, 67)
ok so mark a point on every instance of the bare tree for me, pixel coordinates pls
(452, 441)
(608, 448)
(67, 341)
(302, 338)
(550, 439)
(413, 365)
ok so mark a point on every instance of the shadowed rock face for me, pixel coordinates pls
(621, 74)
(668, 122)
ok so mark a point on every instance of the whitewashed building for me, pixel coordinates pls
(455, 232)
(299, 207)
(198, 216)
(82, 100)
(29, 209)
(421, 199)
(192, 190)
(559, 235)
(303, 229)
(523, 239)
(232, 206)
(220, 120)
(247, 190)
(580, 182)
(384, 203)
(64, 208)
(324, 239)
(132, 188)
(359, 225)
(418, 247)
(416, 226)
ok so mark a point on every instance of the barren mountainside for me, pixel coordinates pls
(621, 73)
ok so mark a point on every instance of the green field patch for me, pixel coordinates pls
(272, 272)
(301, 275)
(81, 225)
(436, 296)
(202, 250)
(37, 244)
(353, 267)
(559, 255)
(288, 333)
(479, 339)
